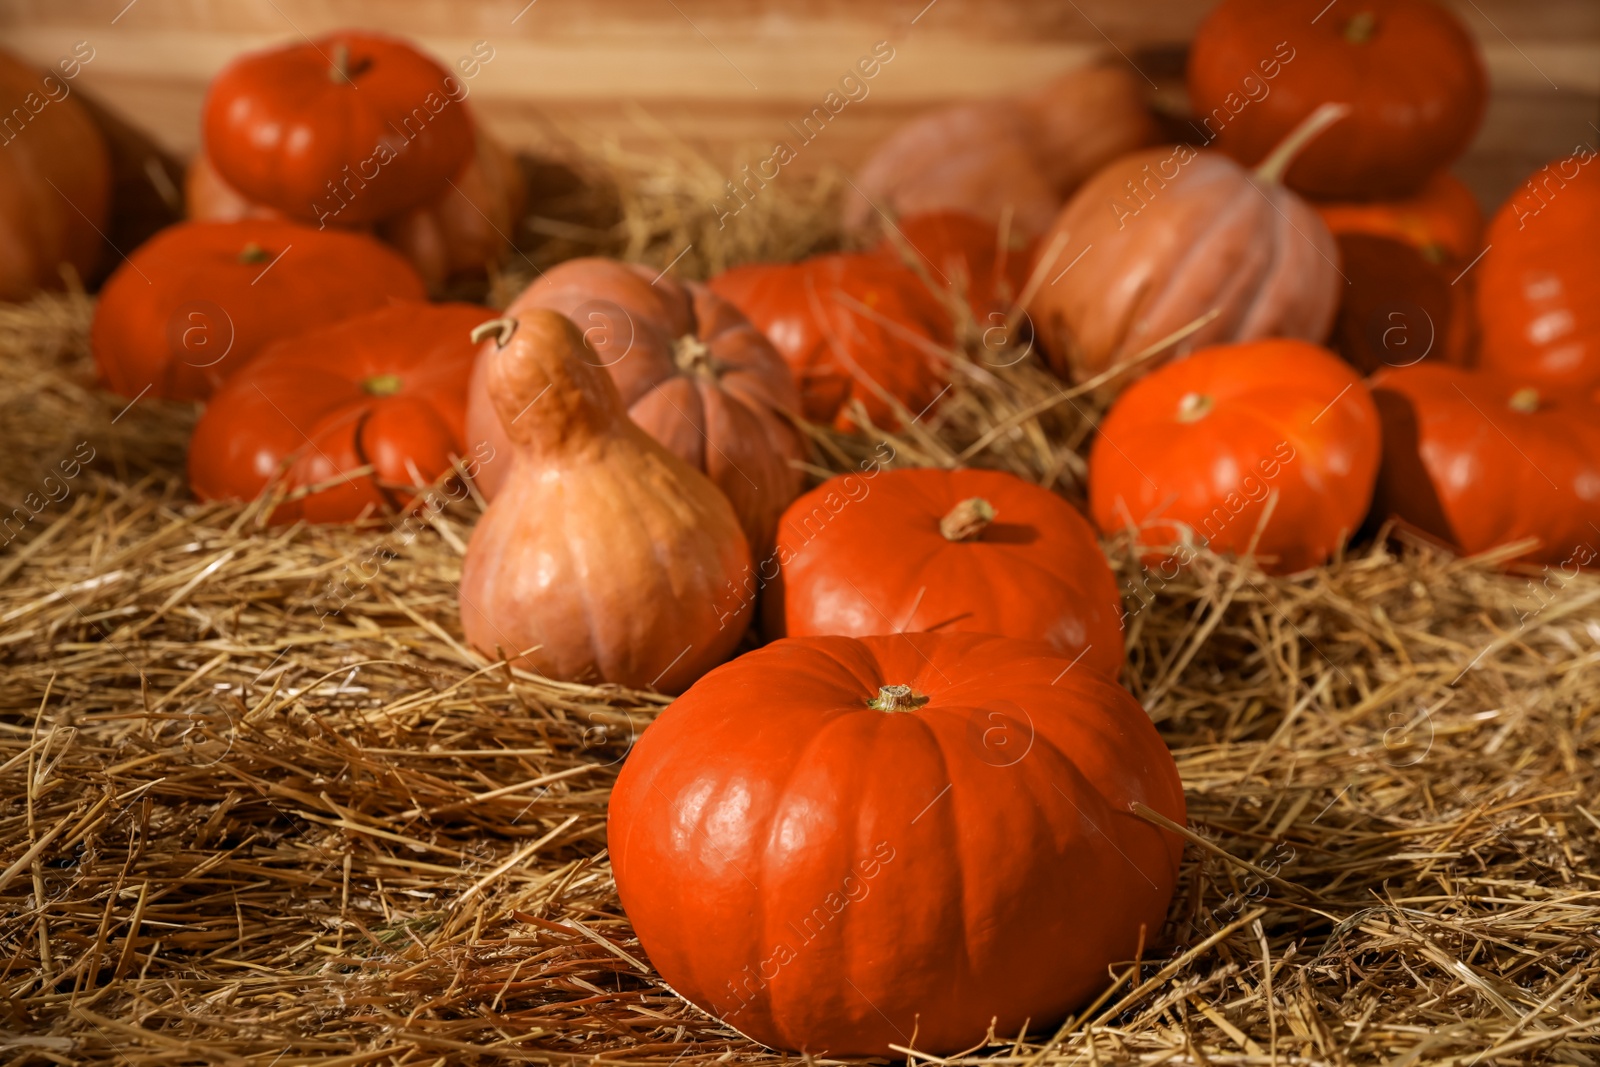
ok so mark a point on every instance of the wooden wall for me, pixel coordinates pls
(726, 76)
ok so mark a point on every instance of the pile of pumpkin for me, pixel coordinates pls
(931, 816)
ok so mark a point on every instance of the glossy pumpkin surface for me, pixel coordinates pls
(347, 129)
(1409, 69)
(1163, 237)
(833, 843)
(605, 557)
(386, 389)
(693, 372)
(55, 183)
(851, 327)
(1202, 444)
(1538, 285)
(199, 300)
(944, 551)
(1482, 460)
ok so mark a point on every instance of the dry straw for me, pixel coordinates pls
(258, 805)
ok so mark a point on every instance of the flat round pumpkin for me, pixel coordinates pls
(386, 389)
(1204, 443)
(693, 371)
(347, 129)
(1442, 220)
(973, 259)
(835, 843)
(926, 549)
(1409, 70)
(1479, 460)
(199, 300)
(851, 327)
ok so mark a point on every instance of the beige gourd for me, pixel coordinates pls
(604, 558)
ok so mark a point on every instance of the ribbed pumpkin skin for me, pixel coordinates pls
(720, 407)
(1286, 417)
(1412, 75)
(862, 556)
(829, 877)
(1461, 462)
(1202, 234)
(1538, 285)
(43, 227)
(605, 558)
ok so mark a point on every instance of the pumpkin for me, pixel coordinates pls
(1169, 236)
(605, 557)
(472, 224)
(55, 183)
(343, 130)
(1204, 443)
(692, 372)
(974, 259)
(1014, 158)
(200, 299)
(1408, 68)
(1400, 307)
(1442, 220)
(834, 843)
(385, 389)
(1480, 460)
(853, 327)
(1538, 285)
(944, 550)
(207, 196)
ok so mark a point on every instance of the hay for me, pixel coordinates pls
(259, 806)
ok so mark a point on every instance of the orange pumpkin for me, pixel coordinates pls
(55, 182)
(1399, 307)
(1408, 69)
(1017, 157)
(605, 556)
(1202, 444)
(843, 845)
(925, 549)
(1442, 220)
(974, 259)
(199, 300)
(386, 389)
(1167, 236)
(1480, 460)
(1538, 285)
(693, 372)
(853, 327)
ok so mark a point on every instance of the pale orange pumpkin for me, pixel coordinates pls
(605, 558)
(1020, 155)
(1178, 238)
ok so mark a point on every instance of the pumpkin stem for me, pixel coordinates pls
(501, 328)
(1195, 406)
(381, 385)
(253, 253)
(1360, 28)
(1525, 401)
(1278, 161)
(897, 698)
(967, 520)
(693, 356)
(340, 71)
